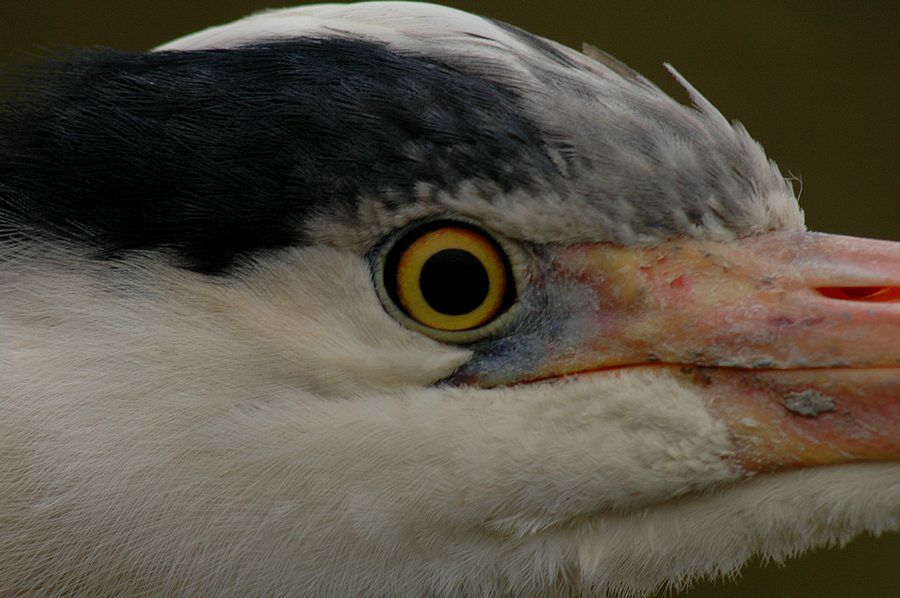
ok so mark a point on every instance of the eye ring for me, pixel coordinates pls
(449, 278)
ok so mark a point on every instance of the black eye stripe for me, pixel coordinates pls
(454, 282)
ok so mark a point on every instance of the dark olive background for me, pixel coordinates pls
(816, 82)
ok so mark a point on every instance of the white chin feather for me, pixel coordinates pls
(775, 516)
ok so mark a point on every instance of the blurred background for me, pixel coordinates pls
(816, 82)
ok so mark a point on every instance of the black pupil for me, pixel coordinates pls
(454, 282)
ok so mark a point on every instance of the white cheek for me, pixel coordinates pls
(305, 318)
(181, 415)
(581, 446)
(315, 315)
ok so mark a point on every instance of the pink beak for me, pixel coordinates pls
(792, 338)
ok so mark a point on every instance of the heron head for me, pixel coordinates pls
(391, 299)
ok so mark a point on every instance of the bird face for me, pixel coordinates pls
(388, 299)
(797, 319)
(762, 337)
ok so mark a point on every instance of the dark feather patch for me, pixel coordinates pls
(211, 154)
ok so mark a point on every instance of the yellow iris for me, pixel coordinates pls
(452, 278)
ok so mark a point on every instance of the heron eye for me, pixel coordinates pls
(450, 278)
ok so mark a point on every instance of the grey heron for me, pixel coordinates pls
(225, 369)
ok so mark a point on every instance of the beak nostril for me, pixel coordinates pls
(869, 294)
